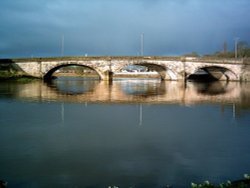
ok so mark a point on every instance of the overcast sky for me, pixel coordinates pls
(114, 27)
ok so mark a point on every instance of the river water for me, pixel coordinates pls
(76, 132)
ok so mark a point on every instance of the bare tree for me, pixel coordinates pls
(225, 47)
(243, 48)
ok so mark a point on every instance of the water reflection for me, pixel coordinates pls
(73, 86)
(130, 144)
(143, 88)
(213, 88)
(128, 91)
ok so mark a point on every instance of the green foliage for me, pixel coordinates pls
(247, 176)
(76, 69)
(6, 74)
(25, 79)
(245, 183)
(192, 54)
(242, 48)
(243, 51)
(226, 55)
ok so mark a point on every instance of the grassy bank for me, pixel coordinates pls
(6, 75)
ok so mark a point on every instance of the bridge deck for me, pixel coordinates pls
(166, 58)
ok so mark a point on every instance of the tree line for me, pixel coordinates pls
(242, 51)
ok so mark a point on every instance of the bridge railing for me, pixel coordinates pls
(84, 58)
(109, 58)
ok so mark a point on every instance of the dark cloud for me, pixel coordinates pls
(113, 27)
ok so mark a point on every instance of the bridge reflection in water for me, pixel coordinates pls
(132, 91)
(69, 145)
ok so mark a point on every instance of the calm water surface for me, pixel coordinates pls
(128, 133)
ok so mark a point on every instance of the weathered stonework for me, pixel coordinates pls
(168, 68)
(245, 75)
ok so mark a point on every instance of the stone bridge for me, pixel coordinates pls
(169, 68)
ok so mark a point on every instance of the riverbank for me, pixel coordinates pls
(16, 76)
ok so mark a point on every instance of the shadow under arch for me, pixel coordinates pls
(213, 88)
(212, 73)
(49, 75)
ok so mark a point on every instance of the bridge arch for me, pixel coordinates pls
(164, 72)
(214, 73)
(51, 70)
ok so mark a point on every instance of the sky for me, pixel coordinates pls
(30, 28)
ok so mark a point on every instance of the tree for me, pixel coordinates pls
(192, 54)
(225, 47)
(243, 49)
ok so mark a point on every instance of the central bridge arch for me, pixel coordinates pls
(165, 72)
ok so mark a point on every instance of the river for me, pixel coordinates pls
(76, 132)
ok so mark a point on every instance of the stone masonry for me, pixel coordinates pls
(169, 68)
